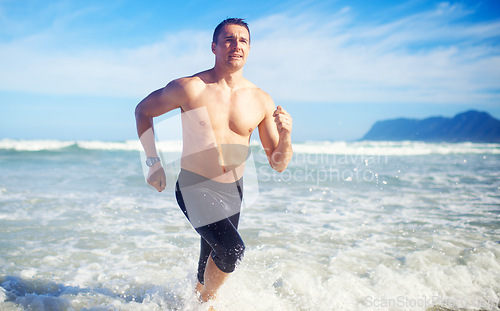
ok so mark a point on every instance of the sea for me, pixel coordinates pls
(347, 226)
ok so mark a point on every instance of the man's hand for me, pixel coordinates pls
(283, 122)
(282, 151)
(156, 177)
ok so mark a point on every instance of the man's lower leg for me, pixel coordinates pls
(214, 278)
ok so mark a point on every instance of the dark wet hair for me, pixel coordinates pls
(229, 21)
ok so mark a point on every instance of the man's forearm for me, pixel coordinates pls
(281, 155)
(145, 132)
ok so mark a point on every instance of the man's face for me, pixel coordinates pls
(232, 47)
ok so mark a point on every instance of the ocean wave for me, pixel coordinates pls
(53, 145)
(403, 148)
(34, 145)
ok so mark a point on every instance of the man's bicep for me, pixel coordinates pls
(162, 100)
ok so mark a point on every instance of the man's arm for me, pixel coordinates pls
(275, 134)
(155, 104)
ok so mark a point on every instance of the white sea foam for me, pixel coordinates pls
(34, 145)
(41, 145)
(130, 145)
(394, 148)
(337, 147)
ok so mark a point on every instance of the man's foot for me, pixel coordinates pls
(198, 289)
(206, 296)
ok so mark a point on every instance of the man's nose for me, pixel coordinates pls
(236, 45)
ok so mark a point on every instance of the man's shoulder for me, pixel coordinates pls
(189, 82)
(260, 94)
(264, 98)
(188, 85)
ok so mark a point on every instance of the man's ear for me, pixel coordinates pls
(213, 47)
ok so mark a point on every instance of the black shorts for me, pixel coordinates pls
(213, 209)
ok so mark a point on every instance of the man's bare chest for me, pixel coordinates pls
(236, 114)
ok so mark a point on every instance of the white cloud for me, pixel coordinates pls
(31, 66)
(426, 57)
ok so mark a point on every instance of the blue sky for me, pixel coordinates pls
(75, 70)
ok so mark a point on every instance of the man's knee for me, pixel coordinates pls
(239, 251)
(227, 258)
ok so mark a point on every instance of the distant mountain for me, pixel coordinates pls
(470, 126)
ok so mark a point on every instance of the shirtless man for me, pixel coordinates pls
(219, 111)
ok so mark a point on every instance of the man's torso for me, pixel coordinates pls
(217, 122)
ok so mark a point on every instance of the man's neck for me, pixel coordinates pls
(231, 79)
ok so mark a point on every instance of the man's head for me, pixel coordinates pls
(229, 21)
(231, 44)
